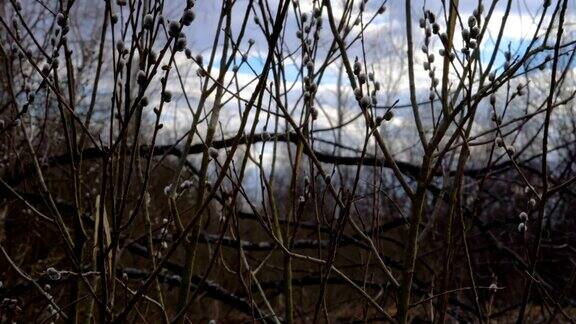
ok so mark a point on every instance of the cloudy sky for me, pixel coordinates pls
(384, 44)
(384, 48)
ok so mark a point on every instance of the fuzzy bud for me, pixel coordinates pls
(53, 274)
(499, 141)
(431, 16)
(358, 93)
(313, 87)
(120, 47)
(265, 136)
(180, 44)
(388, 115)
(213, 153)
(471, 21)
(167, 190)
(141, 77)
(310, 67)
(522, 228)
(186, 184)
(174, 28)
(61, 20)
(188, 17)
(365, 102)
(46, 68)
(357, 67)
(317, 12)
(148, 22)
(314, 113)
(166, 96)
(493, 288)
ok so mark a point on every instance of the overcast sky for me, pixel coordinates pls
(384, 44)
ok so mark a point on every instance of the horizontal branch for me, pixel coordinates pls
(18, 173)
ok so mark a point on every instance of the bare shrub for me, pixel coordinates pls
(287, 161)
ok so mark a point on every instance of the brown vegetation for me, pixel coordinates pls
(287, 161)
